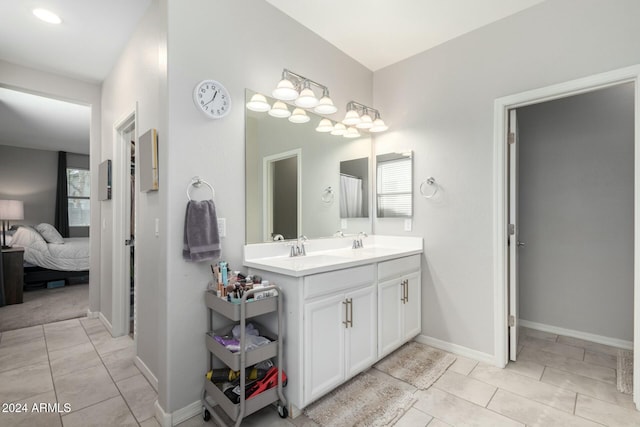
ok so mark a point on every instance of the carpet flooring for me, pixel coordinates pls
(46, 306)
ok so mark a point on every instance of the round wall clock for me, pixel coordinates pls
(212, 98)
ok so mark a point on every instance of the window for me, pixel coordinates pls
(394, 187)
(78, 192)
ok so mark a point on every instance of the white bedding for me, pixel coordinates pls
(73, 255)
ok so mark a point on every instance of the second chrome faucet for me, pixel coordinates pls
(297, 249)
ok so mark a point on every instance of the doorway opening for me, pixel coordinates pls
(283, 198)
(124, 271)
(506, 234)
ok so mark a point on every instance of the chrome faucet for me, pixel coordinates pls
(357, 242)
(298, 249)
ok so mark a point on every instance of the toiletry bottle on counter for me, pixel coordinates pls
(223, 270)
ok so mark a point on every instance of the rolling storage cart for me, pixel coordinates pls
(242, 359)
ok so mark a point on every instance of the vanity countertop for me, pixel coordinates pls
(328, 254)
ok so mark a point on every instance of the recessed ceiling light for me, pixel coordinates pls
(47, 16)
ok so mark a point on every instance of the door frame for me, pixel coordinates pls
(500, 203)
(121, 212)
(267, 190)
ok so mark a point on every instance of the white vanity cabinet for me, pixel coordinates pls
(399, 301)
(340, 329)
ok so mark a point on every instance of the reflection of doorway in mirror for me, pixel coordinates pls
(282, 195)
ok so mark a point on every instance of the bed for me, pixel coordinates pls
(48, 257)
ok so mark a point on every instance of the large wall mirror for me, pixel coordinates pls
(394, 185)
(293, 178)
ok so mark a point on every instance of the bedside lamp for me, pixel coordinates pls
(9, 210)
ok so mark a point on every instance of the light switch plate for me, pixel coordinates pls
(407, 224)
(222, 227)
(157, 227)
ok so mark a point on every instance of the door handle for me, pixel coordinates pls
(406, 290)
(345, 322)
(519, 243)
(350, 301)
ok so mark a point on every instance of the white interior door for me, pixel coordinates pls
(513, 235)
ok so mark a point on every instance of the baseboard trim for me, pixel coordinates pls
(600, 339)
(92, 314)
(162, 417)
(146, 372)
(458, 349)
(187, 412)
(106, 323)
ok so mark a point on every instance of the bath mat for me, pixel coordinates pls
(625, 371)
(366, 400)
(416, 364)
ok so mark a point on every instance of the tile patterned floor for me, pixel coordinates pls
(557, 381)
(76, 362)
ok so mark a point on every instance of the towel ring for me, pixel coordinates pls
(327, 195)
(429, 181)
(197, 182)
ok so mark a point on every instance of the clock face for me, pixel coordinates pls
(212, 99)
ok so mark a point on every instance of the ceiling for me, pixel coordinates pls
(378, 33)
(86, 45)
(32, 121)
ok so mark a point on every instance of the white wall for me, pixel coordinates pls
(30, 175)
(139, 77)
(64, 88)
(440, 104)
(575, 214)
(242, 44)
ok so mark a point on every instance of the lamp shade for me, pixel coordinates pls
(285, 91)
(365, 122)
(339, 129)
(351, 118)
(307, 99)
(11, 209)
(325, 125)
(351, 133)
(279, 110)
(325, 106)
(299, 116)
(258, 103)
(378, 126)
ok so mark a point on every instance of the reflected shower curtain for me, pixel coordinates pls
(350, 197)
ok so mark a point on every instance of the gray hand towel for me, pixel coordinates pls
(201, 240)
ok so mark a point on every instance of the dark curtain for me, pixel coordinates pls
(62, 207)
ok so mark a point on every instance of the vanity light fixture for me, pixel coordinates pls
(297, 88)
(299, 116)
(258, 103)
(47, 16)
(325, 125)
(364, 119)
(279, 110)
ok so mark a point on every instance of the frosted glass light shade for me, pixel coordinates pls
(325, 106)
(299, 116)
(258, 103)
(279, 110)
(365, 122)
(351, 118)
(307, 99)
(325, 125)
(351, 133)
(378, 126)
(285, 91)
(339, 129)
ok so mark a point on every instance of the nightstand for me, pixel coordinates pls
(13, 269)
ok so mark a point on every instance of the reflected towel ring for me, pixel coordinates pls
(197, 182)
(327, 195)
(429, 181)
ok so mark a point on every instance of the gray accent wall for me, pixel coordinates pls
(576, 212)
(440, 104)
(30, 175)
